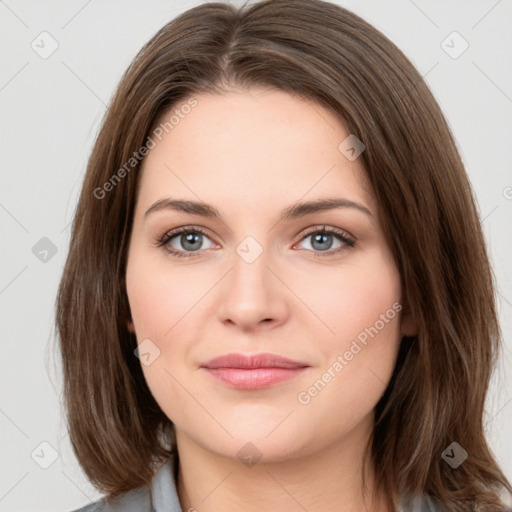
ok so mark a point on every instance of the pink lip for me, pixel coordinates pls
(253, 372)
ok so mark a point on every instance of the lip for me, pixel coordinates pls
(255, 371)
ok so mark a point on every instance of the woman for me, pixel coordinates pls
(277, 294)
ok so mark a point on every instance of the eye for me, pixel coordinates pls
(190, 239)
(185, 241)
(322, 241)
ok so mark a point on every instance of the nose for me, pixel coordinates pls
(252, 294)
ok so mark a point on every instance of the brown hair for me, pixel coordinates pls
(330, 56)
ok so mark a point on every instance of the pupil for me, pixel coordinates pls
(190, 240)
(321, 238)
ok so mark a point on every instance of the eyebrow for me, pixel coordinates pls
(291, 212)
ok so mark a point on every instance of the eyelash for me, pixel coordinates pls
(163, 241)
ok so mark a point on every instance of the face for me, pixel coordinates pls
(252, 280)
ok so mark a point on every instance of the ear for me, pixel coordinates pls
(131, 326)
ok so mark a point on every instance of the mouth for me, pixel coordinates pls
(256, 371)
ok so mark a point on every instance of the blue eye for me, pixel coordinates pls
(191, 241)
(322, 241)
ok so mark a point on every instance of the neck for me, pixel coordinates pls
(328, 480)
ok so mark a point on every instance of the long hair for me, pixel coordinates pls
(330, 56)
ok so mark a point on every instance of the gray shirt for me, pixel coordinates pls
(162, 496)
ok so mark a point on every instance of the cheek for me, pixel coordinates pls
(157, 293)
(357, 300)
(167, 306)
(362, 310)
(158, 312)
(151, 305)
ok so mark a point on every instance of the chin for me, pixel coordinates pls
(257, 442)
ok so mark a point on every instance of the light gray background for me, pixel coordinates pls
(51, 110)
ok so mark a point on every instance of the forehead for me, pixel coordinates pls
(250, 146)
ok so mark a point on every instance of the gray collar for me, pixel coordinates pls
(164, 488)
(161, 496)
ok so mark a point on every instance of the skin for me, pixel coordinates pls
(250, 154)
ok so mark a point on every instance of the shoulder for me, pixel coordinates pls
(136, 500)
(160, 496)
(96, 506)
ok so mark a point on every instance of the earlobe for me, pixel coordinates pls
(131, 326)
